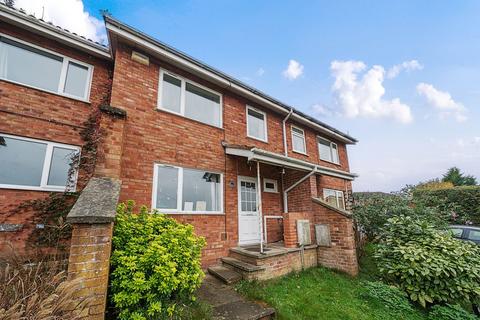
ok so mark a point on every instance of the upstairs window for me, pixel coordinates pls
(183, 97)
(298, 140)
(334, 198)
(182, 190)
(328, 150)
(256, 124)
(41, 69)
(37, 165)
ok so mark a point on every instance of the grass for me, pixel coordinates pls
(319, 293)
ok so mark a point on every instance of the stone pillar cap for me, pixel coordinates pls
(97, 202)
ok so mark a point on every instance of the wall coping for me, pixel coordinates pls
(97, 202)
(344, 213)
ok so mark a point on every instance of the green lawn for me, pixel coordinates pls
(319, 293)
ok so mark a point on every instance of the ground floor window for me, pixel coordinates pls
(184, 190)
(334, 198)
(33, 164)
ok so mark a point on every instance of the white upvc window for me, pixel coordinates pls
(334, 198)
(184, 190)
(32, 66)
(256, 124)
(189, 99)
(328, 150)
(298, 140)
(270, 185)
(31, 164)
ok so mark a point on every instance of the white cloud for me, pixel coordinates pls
(322, 110)
(260, 72)
(443, 102)
(293, 71)
(68, 14)
(364, 97)
(408, 66)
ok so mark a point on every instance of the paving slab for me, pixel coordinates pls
(228, 304)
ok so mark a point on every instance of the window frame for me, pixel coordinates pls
(183, 86)
(265, 123)
(44, 186)
(178, 210)
(298, 135)
(331, 150)
(267, 180)
(63, 74)
(337, 192)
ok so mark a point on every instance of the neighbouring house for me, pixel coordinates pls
(268, 186)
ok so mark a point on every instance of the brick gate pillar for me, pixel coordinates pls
(92, 219)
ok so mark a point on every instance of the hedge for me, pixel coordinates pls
(464, 201)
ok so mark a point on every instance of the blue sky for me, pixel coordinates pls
(413, 122)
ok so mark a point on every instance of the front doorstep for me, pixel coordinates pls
(276, 261)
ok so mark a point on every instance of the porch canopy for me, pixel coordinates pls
(263, 156)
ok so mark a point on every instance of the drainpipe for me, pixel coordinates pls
(259, 205)
(284, 127)
(285, 196)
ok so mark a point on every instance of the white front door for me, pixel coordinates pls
(248, 216)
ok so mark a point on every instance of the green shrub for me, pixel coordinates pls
(427, 263)
(462, 202)
(449, 312)
(390, 296)
(155, 264)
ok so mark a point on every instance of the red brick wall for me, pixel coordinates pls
(37, 114)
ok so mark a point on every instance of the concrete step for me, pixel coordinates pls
(226, 275)
(238, 264)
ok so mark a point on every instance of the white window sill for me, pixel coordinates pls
(34, 188)
(299, 152)
(258, 139)
(47, 91)
(175, 212)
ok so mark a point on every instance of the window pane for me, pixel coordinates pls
(324, 149)
(201, 191)
(298, 143)
(171, 93)
(474, 235)
(330, 197)
(21, 162)
(29, 66)
(457, 233)
(341, 200)
(335, 153)
(256, 124)
(167, 184)
(77, 79)
(62, 160)
(202, 105)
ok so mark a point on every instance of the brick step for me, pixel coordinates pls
(226, 275)
(241, 265)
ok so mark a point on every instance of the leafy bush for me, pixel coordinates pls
(429, 264)
(372, 212)
(449, 312)
(392, 297)
(155, 264)
(462, 202)
(38, 289)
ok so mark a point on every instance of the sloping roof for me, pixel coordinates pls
(31, 23)
(115, 26)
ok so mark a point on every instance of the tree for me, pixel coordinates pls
(455, 176)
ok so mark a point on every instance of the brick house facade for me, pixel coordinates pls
(200, 167)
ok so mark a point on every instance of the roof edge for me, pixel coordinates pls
(115, 26)
(30, 22)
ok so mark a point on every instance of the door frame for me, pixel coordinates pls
(239, 207)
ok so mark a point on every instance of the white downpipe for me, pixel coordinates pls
(285, 196)
(284, 127)
(259, 205)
